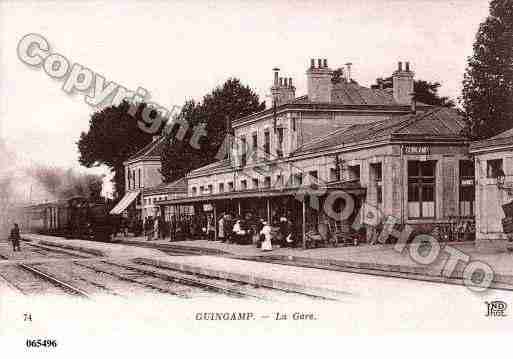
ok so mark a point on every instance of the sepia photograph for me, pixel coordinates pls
(254, 169)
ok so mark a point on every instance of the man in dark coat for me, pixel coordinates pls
(15, 237)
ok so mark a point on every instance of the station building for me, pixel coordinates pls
(144, 186)
(378, 146)
(494, 178)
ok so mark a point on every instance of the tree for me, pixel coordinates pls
(488, 81)
(113, 136)
(425, 91)
(224, 104)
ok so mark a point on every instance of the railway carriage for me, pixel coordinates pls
(76, 217)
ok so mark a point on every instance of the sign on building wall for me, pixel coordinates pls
(416, 150)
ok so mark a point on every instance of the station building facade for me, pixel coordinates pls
(379, 146)
(494, 183)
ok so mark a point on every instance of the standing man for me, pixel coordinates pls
(15, 237)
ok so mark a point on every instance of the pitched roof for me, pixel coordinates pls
(218, 166)
(438, 122)
(505, 134)
(180, 185)
(344, 93)
(354, 94)
(349, 96)
(152, 149)
(502, 139)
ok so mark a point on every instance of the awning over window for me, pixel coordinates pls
(125, 202)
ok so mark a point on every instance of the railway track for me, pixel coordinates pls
(123, 278)
(29, 280)
(211, 285)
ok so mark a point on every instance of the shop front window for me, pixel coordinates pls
(421, 189)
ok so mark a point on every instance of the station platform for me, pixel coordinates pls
(285, 267)
(372, 259)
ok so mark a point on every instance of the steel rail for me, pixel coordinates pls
(57, 282)
(198, 283)
(127, 279)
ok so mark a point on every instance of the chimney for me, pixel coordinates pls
(282, 90)
(319, 84)
(403, 84)
(348, 66)
(276, 71)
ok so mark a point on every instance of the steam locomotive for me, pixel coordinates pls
(77, 218)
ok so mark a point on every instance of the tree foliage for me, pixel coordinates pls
(488, 81)
(425, 91)
(224, 104)
(113, 136)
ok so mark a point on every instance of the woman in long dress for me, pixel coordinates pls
(266, 231)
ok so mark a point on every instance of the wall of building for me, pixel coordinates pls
(489, 198)
(150, 174)
(298, 128)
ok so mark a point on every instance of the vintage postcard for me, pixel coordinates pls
(257, 169)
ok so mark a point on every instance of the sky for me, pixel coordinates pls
(180, 50)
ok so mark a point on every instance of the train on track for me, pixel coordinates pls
(77, 218)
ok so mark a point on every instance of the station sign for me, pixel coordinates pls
(467, 182)
(416, 150)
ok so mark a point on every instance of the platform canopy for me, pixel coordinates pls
(351, 187)
(127, 199)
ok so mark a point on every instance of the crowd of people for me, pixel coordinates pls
(243, 230)
(251, 230)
